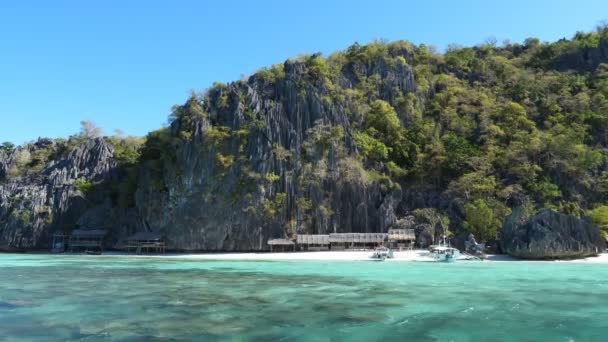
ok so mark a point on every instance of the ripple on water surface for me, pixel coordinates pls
(89, 298)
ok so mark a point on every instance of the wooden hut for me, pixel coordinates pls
(313, 242)
(146, 242)
(353, 240)
(402, 238)
(87, 240)
(281, 244)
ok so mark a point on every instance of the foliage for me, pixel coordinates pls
(24, 217)
(127, 150)
(280, 152)
(371, 148)
(21, 159)
(273, 205)
(599, 217)
(272, 178)
(216, 135)
(83, 185)
(38, 160)
(483, 218)
(187, 115)
(7, 147)
(271, 75)
(473, 185)
(303, 203)
(438, 223)
(384, 138)
(88, 129)
(159, 145)
(224, 162)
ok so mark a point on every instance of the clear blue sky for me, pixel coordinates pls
(123, 64)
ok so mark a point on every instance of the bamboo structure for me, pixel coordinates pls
(87, 239)
(402, 238)
(284, 244)
(354, 240)
(313, 242)
(146, 242)
(336, 241)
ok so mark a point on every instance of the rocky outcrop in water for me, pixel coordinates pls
(550, 235)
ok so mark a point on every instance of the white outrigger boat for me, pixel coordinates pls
(444, 253)
(381, 254)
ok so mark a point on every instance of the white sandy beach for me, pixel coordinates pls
(419, 255)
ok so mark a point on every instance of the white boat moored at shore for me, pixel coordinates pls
(444, 253)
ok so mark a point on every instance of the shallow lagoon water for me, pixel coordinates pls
(100, 298)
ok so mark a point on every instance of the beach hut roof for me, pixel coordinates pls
(284, 242)
(401, 234)
(89, 233)
(145, 236)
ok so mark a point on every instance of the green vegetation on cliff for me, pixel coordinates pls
(370, 134)
(476, 130)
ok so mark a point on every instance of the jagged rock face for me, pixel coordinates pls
(550, 235)
(200, 207)
(283, 168)
(33, 206)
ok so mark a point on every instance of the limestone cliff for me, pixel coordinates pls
(349, 143)
(262, 160)
(39, 192)
(550, 235)
(281, 161)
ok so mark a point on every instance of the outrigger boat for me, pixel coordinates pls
(444, 253)
(381, 254)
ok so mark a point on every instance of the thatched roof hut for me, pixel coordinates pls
(283, 243)
(142, 242)
(313, 239)
(357, 238)
(87, 239)
(401, 235)
(402, 238)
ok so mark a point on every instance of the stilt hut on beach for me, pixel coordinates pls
(87, 240)
(356, 240)
(281, 245)
(146, 242)
(401, 238)
(312, 242)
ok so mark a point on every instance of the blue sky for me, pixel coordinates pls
(123, 64)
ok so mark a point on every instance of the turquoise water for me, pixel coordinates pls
(91, 298)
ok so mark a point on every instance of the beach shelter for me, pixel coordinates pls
(146, 242)
(281, 244)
